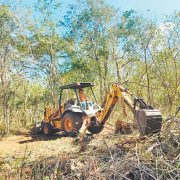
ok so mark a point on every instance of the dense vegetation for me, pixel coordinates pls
(92, 42)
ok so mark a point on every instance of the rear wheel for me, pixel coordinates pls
(47, 129)
(95, 127)
(72, 122)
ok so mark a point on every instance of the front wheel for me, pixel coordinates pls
(72, 122)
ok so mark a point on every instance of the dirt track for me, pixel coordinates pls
(38, 146)
(105, 155)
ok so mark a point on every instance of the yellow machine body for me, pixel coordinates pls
(69, 117)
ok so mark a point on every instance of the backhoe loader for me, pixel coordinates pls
(79, 113)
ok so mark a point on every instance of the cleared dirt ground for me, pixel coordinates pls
(32, 147)
(101, 156)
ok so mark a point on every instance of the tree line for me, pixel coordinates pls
(93, 42)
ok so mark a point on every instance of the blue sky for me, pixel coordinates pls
(154, 8)
(151, 8)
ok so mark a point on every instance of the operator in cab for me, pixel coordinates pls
(85, 103)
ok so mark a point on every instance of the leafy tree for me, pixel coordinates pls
(7, 58)
(89, 30)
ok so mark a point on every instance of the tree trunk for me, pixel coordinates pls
(147, 76)
(100, 82)
(117, 65)
(105, 73)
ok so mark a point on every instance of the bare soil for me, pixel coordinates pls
(38, 146)
(101, 156)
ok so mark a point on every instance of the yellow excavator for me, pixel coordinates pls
(78, 114)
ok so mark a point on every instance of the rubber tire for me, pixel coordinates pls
(77, 123)
(49, 127)
(95, 128)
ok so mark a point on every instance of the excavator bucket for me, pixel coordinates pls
(149, 121)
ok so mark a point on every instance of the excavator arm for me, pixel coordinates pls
(148, 120)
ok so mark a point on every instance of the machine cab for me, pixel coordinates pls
(78, 97)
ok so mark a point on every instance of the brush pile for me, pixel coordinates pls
(130, 157)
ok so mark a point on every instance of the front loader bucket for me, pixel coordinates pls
(37, 128)
(148, 121)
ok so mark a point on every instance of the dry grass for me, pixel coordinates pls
(108, 157)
